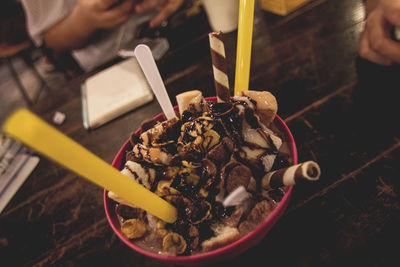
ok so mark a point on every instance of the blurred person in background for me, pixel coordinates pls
(12, 23)
(377, 44)
(378, 68)
(87, 33)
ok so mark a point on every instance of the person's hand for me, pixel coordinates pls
(104, 14)
(376, 44)
(167, 8)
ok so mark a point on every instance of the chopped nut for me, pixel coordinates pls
(133, 228)
(171, 171)
(203, 193)
(191, 164)
(160, 224)
(190, 176)
(174, 242)
(211, 138)
(199, 213)
(161, 232)
(164, 188)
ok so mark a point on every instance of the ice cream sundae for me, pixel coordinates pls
(223, 165)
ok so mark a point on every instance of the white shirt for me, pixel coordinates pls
(43, 14)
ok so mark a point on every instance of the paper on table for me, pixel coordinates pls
(113, 92)
(18, 180)
(16, 164)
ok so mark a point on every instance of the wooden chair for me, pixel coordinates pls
(22, 50)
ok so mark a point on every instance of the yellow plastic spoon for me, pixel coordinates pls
(29, 129)
(243, 53)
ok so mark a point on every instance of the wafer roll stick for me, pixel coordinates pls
(220, 67)
(303, 172)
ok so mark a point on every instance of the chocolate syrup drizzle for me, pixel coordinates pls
(227, 122)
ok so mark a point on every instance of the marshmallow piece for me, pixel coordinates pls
(58, 118)
(236, 197)
(224, 235)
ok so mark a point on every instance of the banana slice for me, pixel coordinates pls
(116, 198)
(141, 174)
(191, 100)
(151, 154)
(266, 105)
(159, 133)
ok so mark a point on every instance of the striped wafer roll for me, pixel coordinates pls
(220, 67)
(303, 172)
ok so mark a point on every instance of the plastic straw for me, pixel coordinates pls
(26, 127)
(243, 55)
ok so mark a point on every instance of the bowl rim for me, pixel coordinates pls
(268, 222)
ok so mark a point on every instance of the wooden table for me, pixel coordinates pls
(308, 61)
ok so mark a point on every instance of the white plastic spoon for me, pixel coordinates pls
(146, 61)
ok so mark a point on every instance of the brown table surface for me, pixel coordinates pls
(308, 60)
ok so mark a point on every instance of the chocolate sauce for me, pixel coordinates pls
(134, 138)
(148, 124)
(220, 109)
(189, 116)
(280, 163)
(125, 212)
(188, 190)
(135, 174)
(251, 118)
(219, 211)
(139, 155)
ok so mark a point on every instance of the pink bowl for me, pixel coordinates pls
(225, 253)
